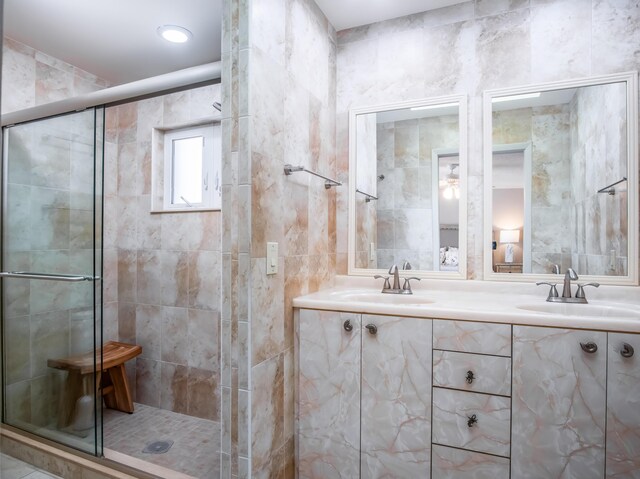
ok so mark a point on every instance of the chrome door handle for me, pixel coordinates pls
(47, 276)
(626, 351)
(589, 347)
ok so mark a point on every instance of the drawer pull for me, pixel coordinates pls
(472, 420)
(348, 327)
(589, 347)
(373, 329)
(627, 351)
(470, 377)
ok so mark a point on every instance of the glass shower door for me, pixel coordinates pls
(51, 270)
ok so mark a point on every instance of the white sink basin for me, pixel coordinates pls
(386, 298)
(582, 310)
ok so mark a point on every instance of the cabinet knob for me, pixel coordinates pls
(373, 329)
(626, 351)
(469, 377)
(472, 420)
(348, 327)
(589, 347)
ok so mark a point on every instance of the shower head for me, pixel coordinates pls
(217, 106)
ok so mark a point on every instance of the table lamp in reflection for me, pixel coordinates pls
(509, 237)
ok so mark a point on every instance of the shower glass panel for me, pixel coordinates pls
(51, 270)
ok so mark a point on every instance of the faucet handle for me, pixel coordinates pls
(386, 281)
(406, 288)
(553, 291)
(580, 292)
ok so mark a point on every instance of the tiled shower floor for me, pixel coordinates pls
(196, 442)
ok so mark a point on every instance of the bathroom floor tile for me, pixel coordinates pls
(12, 468)
(196, 442)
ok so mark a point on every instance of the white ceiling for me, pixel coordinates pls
(352, 13)
(116, 39)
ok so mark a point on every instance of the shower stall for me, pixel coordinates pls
(51, 274)
(87, 261)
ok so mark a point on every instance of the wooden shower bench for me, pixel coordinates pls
(112, 386)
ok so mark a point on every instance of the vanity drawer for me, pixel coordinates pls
(472, 337)
(472, 372)
(449, 463)
(453, 421)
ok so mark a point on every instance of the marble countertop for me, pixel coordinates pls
(610, 308)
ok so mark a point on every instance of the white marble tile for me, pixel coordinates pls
(504, 50)
(494, 7)
(560, 40)
(615, 36)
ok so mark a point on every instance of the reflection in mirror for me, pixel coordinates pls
(554, 156)
(407, 187)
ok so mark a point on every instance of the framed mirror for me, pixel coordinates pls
(407, 188)
(561, 180)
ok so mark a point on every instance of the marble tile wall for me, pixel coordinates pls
(598, 159)
(278, 98)
(162, 271)
(405, 205)
(31, 78)
(468, 48)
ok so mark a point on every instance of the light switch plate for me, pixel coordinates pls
(272, 258)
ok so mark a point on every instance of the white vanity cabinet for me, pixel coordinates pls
(385, 396)
(471, 400)
(559, 403)
(364, 396)
(623, 406)
(328, 394)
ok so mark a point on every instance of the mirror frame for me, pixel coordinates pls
(462, 211)
(631, 79)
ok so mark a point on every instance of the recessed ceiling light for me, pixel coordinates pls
(174, 33)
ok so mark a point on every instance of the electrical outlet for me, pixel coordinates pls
(272, 258)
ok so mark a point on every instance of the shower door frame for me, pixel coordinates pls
(96, 278)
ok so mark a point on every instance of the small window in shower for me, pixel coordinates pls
(191, 168)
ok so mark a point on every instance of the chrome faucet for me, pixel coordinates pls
(396, 289)
(396, 277)
(570, 275)
(387, 288)
(556, 269)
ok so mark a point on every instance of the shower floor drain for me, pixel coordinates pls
(158, 447)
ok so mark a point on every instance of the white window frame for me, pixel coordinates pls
(211, 159)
